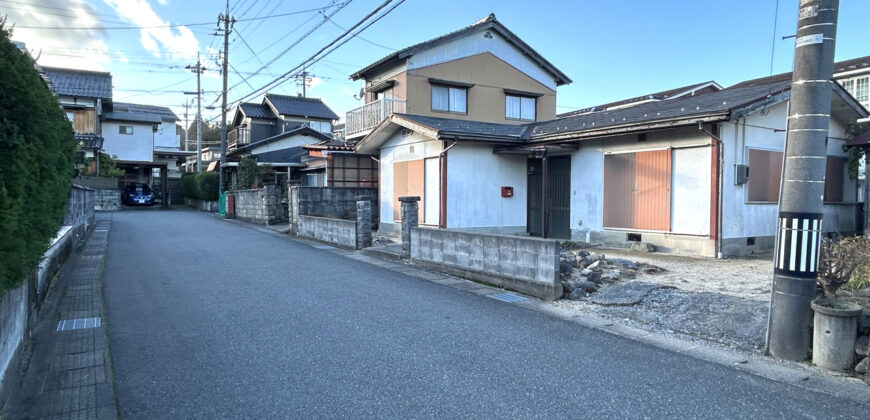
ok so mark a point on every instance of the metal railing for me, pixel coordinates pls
(238, 137)
(361, 120)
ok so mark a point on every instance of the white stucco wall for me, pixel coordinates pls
(396, 149)
(741, 219)
(475, 176)
(137, 147)
(166, 136)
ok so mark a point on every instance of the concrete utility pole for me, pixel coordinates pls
(302, 79)
(228, 22)
(803, 182)
(186, 106)
(198, 69)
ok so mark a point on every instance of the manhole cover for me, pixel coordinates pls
(508, 297)
(78, 324)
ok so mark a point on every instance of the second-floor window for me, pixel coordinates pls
(321, 126)
(125, 129)
(519, 107)
(449, 98)
(861, 91)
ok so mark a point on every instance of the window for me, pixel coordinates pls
(834, 177)
(448, 98)
(321, 126)
(519, 107)
(849, 86)
(765, 169)
(861, 93)
(125, 129)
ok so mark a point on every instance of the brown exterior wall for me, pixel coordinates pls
(83, 120)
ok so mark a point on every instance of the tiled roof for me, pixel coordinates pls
(254, 110)
(80, 83)
(301, 130)
(839, 67)
(707, 86)
(448, 127)
(720, 102)
(89, 141)
(300, 106)
(489, 22)
(165, 113)
(139, 117)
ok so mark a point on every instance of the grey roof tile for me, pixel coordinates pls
(80, 83)
(300, 106)
(254, 110)
(451, 126)
(165, 113)
(139, 117)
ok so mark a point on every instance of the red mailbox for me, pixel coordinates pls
(507, 191)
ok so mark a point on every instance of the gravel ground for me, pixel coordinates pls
(724, 301)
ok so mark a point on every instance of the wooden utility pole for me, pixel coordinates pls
(228, 22)
(799, 226)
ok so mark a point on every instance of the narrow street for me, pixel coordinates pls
(213, 319)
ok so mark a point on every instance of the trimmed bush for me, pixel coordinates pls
(37, 153)
(201, 186)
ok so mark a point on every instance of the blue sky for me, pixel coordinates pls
(612, 50)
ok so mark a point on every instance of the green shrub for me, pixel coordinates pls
(188, 185)
(249, 173)
(208, 186)
(37, 154)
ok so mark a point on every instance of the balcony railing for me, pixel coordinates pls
(360, 121)
(238, 138)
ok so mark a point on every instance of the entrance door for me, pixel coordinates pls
(558, 207)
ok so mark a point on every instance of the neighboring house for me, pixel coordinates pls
(282, 152)
(275, 115)
(482, 72)
(854, 76)
(336, 164)
(85, 96)
(694, 170)
(207, 156)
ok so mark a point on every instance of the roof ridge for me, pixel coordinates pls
(76, 70)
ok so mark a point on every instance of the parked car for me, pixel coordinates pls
(138, 193)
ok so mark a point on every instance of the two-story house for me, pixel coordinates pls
(85, 96)
(455, 96)
(854, 76)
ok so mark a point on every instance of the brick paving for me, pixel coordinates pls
(68, 374)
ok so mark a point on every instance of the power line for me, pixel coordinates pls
(361, 38)
(314, 58)
(173, 25)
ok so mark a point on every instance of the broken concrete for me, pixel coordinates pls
(630, 293)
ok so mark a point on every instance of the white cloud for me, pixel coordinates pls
(84, 49)
(165, 42)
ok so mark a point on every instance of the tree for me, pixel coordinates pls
(37, 153)
(249, 173)
(211, 133)
(108, 167)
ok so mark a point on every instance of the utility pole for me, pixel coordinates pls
(302, 79)
(198, 69)
(228, 22)
(186, 106)
(803, 182)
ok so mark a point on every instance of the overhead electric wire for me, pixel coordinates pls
(361, 38)
(314, 58)
(156, 89)
(173, 25)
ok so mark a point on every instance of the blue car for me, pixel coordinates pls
(138, 194)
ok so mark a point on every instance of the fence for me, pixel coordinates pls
(262, 206)
(330, 202)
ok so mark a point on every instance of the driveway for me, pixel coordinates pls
(210, 319)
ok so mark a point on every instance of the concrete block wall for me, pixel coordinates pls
(527, 265)
(330, 202)
(209, 206)
(107, 199)
(260, 206)
(334, 231)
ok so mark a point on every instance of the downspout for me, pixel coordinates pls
(442, 201)
(719, 158)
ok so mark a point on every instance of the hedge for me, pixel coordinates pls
(37, 154)
(201, 186)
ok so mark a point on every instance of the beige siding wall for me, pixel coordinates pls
(486, 99)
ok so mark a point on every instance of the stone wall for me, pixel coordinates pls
(209, 206)
(335, 231)
(261, 206)
(527, 265)
(107, 199)
(20, 306)
(330, 202)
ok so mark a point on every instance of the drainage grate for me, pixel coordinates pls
(508, 297)
(78, 324)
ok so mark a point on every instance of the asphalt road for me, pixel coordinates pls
(210, 319)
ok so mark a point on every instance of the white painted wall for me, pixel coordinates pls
(475, 176)
(475, 43)
(400, 148)
(166, 136)
(741, 219)
(690, 190)
(137, 147)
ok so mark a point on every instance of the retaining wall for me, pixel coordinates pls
(334, 231)
(261, 206)
(107, 199)
(527, 265)
(209, 206)
(20, 306)
(329, 202)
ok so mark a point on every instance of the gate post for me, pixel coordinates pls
(410, 213)
(363, 222)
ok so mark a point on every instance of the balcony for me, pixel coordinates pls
(360, 121)
(238, 138)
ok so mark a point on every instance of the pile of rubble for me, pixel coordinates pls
(584, 272)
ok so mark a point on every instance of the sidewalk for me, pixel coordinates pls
(66, 368)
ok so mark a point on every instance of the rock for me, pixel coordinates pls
(584, 254)
(594, 266)
(594, 256)
(568, 287)
(862, 345)
(626, 295)
(863, 366)
(619, 262)
(643, 247)
(864, 292)
(586, 271)
(611, 275)
(867, 379)
(565, 268)
(864, 319)
(577, 294)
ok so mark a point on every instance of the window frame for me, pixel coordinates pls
(520, 98)
(448, 87)
(865, 83)
(123, 132)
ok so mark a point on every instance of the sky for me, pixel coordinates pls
(611, 50)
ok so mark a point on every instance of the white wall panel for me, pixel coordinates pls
(690, 190)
